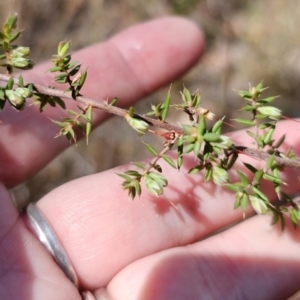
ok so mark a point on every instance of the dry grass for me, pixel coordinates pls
(247, 41)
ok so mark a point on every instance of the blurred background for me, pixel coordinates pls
(247, 41)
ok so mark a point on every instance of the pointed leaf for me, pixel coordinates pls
(166, 106)
(169, 161)
(250, 167)
(244, 121)
(151, 149)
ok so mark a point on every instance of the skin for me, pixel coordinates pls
(145, 249)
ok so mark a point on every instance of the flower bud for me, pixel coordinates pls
(63, 48)
(270, 111)
(20, 52)
(15, 98)
(138, 125)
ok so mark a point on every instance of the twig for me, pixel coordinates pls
(105, 106)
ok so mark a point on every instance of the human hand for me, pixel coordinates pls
(145, 249)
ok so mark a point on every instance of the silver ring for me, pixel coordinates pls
(49, 239)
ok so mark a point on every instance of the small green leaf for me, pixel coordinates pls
(2, 36)
(258, 204)
(24, 92)
(153, 184)
(10, 83)
(244, 121)
(238, 197)
(244, 201)
(72, 134)
(188, 148)
(233, 187)
(124, 176)
(187, 96)
(166, 106)
(267, 100)
(258, 176)
(63, 48)
(82, 79)
(259, 141)
(217, 127)
(270, 111)
(197, 145)
(138, 125)
(187, 129)
(60, 102)
(159, 178)
(273, 178)
(21, 81)
(245, 94)
(280, 141)
(151, 149)
(268, 136)
(12, 21)
(295, 216)
(195, 170)
(224, 142)
(133, 173)
(250, 167)
(88, 127)
(248, 107)
(270, 162)
(74, 70)
(266, 125)
(137, 188)
(169, 161)
(60, 124)
(208, 174)
(275, 217)
(114, 101)
(211, 137)
(140, 165)
(55, 69)
(232, 160)
(14, 36)
(259, 87)
(219, 175)
(201, 128)
(2, 103)
(250, 133)
(15, 98)
(260, 194)
(196, 100)
(72, 113)
(2, 95)
(180, 152)
(243, 178)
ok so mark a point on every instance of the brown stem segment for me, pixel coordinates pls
(261, 155)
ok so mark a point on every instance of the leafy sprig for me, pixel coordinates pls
(215, 154)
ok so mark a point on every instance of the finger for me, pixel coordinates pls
(130, 66)
(103, 232)
(249, 261)
(27, 270)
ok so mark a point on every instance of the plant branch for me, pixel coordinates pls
(100, 104)
(261, 155)
(105, 106)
